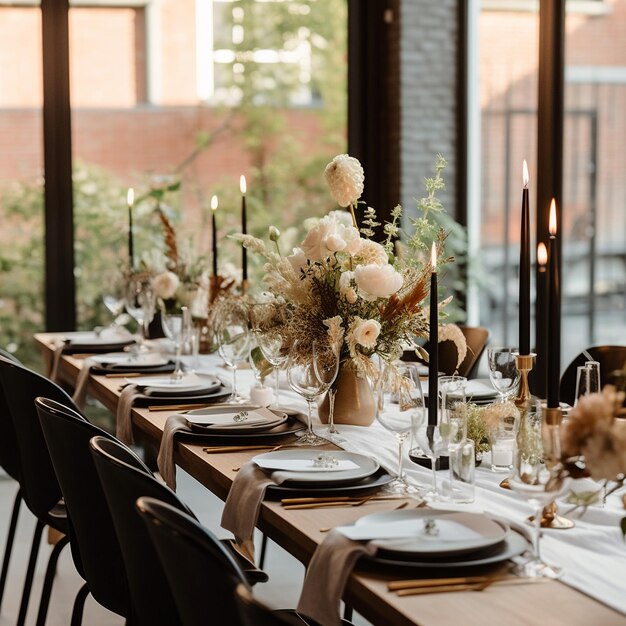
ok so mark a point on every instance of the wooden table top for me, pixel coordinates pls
(298, 531)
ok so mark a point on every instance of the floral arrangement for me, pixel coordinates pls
(340, 284)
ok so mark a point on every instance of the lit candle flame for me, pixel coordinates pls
(525, 176)
(433, 257)
(552, 221)
(130, 196)
(542, 254)
(214, 203)
(242, 185)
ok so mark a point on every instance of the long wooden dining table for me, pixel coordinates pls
(300, 531)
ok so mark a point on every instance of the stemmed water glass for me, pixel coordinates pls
(399, 406)
(174, 327)
(503, 371)
(140, 302)
(233, 340)
(434, 440)
(538, 482)
(311, 370)
(272, 347)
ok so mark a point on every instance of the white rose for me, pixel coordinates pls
(313, 245)
(297, 260)
(352, 238)
(165, 285)
(365, 333)
(345, 287)
(345, 178)
(377, 281)
(342, 217)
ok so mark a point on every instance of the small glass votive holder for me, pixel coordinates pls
(503, 443)
(462, 471)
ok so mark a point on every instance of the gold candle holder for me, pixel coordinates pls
(524, 364)
(552, 418)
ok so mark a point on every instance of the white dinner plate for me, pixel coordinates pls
(365, 466)
(124, 358)
(164, 384)
(220, 419)
(90, 338)
(480, 388)
(403, 532)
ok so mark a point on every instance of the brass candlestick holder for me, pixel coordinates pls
(551, 426)
(524, 364)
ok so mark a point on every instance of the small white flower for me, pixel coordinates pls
(377, 281)
(346, 288)
(165, 285)
(297, 260)
(334, 242)
(364, 332)
(345, 177)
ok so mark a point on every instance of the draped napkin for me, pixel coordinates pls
(243, 504)
(53, 374)
(326, 577)
(82, 382)
(124, 423)
(165, 459)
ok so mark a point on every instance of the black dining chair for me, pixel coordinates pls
(201, 573)
(124, 479)
(10, 463)
(67, 435)
(39, 485)
(611, 359)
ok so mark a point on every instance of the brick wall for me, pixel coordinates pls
(428, 95)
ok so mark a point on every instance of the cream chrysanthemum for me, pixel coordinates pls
(345, 177)
(371, 253)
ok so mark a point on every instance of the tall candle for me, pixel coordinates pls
(214, 234)
(130, 201)
(554, 314)
(524, 269)
(433, 342)
(244, 228)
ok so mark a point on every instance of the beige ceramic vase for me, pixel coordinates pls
(354, 402)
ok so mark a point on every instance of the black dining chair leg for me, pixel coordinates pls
(347, 613)
(51, 571)
(263, 550)
(79, 606)
(30, 573)
(9, 546)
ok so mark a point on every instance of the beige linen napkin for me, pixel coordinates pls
(82, 382)
(326, 577)
(165, 459)
(243, 503)
(124, 424)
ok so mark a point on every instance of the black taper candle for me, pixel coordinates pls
(130, 200)
(433, 343)
(524, 270)
(214, 234)
(244, 228)
(554, 315)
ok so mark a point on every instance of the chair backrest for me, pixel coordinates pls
(124, 479)
(200, 571)
(611, 358)
(38, 480)
(67, 434)
(255, 613)
(476, 338)
(9, 456)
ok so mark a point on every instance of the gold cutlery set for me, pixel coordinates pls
(419, 586)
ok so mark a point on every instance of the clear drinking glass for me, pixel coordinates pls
(399, 406)
(272, 346)
(503, 371)
(452, 400)
(233, 339)
(537, 483)
(173, 326)
(587, 379)
(503, 437)
(462, 457)
(311, 372)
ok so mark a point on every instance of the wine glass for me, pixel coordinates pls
(174, 327)
(434, 440)
(233, 340)
(140, 303)
(311, 370)
(113, 298)
(271, 344)
(259, 364)
(503, 371)
(399, 405)
(538, 481)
